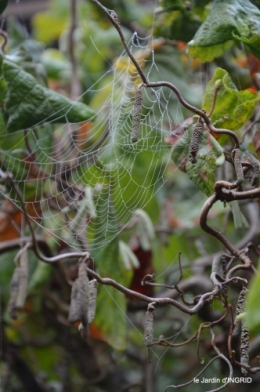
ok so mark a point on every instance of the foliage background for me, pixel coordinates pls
(40, 350)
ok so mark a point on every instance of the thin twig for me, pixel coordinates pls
(158, 301)
(224, 359)
(75, 89)
(113, 18)
(217, 234)
(192, 380)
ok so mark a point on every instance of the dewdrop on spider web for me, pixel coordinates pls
(113, 14)
(79, 302)
(195, 141)
(137, 114)
(148, 328)
(237, 156)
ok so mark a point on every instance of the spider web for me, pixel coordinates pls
(87, 180)
(82, 184)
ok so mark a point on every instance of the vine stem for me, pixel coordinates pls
(114, 20)
(222, 238)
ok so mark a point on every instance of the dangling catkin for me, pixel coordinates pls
(195, 141)
(148, 326)
(237, 155)
(239, 310)
(14, 288)
(92, 300)
(244, 349)
(223, 262)
(23, 279)
(80, 297)
(241, 301)
(137, 115)
(244, 346)
(75, 305)
(255, 170)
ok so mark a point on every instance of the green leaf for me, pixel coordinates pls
(3, 5)
(56, 64)
(111, 304)
(2, 129)
(227, 20)
(232, 108)
(110, 316)
(208, 53)
(202, 174)
(28, 103)
(40, 275)
(252, 303)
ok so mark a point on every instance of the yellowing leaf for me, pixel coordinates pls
(232, 108)
(48, 26)
(208, 53)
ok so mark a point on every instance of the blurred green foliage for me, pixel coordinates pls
(124, 177)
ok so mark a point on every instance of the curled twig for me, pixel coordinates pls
(220, 236)
(147, 280)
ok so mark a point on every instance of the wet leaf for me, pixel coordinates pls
(235, 19)
(28, 103)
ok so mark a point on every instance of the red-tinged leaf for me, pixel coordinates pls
(252, 90)
(145, 258)
(95, 332)
(10, 221)
(82, 134)
(253, 64)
